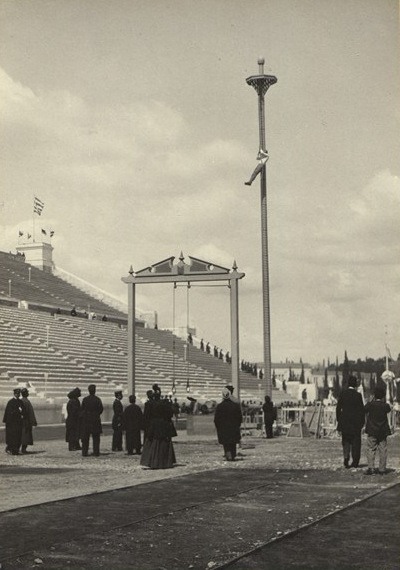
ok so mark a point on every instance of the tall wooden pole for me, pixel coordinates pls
(261, 83)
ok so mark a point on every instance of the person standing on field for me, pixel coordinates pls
(350, 417)
(377, 429)
(29, 421)
(92, 408)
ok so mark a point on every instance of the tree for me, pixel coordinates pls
(346, 370)
(326, 386)
(336, 385)
(302, 376)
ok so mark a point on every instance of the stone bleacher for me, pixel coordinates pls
(74, 351)
(46, 290)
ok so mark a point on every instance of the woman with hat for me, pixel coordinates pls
(72, 422)
(158, 451)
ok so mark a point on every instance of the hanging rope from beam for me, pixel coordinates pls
(187, 339)
(173, 340)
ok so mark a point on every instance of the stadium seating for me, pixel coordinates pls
(52, 351)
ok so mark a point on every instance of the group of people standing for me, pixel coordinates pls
(156, 421)
(19, 418)
(352, 415)
(84, 421)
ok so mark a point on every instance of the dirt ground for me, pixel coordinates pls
(64, 511)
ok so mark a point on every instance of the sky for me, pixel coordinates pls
(132, 121)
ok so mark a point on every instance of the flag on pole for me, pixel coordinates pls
(44, 232)
(20, 233)
(51, 233)
(38, 206)
(29, 236)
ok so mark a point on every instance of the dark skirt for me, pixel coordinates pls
(27, 436)
(158, 454)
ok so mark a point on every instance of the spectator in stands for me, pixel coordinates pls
(28, 423)
(92, 408)
(190, 338)
(73, 312)
(377, 429)
(215, 351)
(350, 417)
(72, 423)
(228, 357)
(208, 349)
(221, 354)
(132, 423)
(104, 318)
(202, 345)
(269, 417)
(227, 420)
(13, 418)
(160, 454)
(58, 312)
(116, 423)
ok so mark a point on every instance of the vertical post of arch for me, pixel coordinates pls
(131, 337)
(234, 298)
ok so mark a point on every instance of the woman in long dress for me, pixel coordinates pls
(72, 423)
(160, 452)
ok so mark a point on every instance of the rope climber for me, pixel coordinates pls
(262, 158)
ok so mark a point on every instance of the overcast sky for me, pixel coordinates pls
(133, 123)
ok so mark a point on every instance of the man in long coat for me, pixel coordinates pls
(116, 423)
(227, 420)
(29, 421)
(73, 421)
(13, 418)
(132, 423)
(92, 408)
(269, 417)
(350, 417)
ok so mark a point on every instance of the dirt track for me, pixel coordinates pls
(198, 515)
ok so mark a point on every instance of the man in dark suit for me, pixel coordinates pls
(92, 408)
(350, 417)
(132, 423)
(118, 410)
(227, 420)
(13, 418)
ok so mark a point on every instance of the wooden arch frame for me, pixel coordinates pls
(197, 270)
